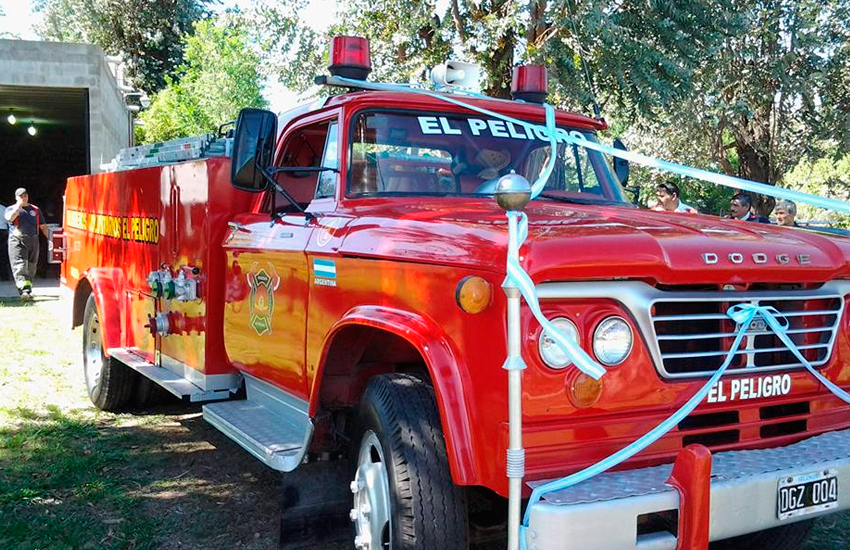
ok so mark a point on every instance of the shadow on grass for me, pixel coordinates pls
(17, 302)
(124, 482)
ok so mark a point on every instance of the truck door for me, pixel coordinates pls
(267, 271)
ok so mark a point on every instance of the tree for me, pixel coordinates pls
(219, 76)
(768, 95)
(827, 176)
(641, 56)
(147, 33)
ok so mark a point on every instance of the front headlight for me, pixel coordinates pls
(551, 352)
(612, 341)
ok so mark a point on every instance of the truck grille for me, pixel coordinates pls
(694, 337)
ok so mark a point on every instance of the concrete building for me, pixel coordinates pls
(69, 117)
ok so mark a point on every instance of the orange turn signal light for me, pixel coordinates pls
(473, 294)
(583, 390)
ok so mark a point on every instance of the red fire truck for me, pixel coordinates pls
(330, 289)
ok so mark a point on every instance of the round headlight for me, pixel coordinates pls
(612, 341)
(551, 352)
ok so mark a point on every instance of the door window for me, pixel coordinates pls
(312, 146)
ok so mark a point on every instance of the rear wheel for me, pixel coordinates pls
(404, 498)
(785, 537)
(109, 383)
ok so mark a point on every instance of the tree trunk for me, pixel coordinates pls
(500, 66)
(754, 164)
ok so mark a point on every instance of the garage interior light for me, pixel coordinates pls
(11, 119)
(31, 130)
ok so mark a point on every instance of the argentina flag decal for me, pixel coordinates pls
(324, 272)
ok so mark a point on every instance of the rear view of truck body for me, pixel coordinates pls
(147, 243)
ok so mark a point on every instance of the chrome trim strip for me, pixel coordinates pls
(207, 382)
(739, 352)
(639, 297)
(716, 316)
(732, 334)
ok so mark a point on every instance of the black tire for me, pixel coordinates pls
(150, 394)
(114, 387)
(427, 511)
(785, 537)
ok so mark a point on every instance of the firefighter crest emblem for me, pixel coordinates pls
(263, 281)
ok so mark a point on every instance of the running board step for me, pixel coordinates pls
(270, 424)
(171, 382)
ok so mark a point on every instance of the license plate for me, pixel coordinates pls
(807, 494)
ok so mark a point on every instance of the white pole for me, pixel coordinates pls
(514, 365)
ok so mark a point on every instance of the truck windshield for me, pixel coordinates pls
(406, 153)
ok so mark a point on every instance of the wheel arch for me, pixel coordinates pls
(444, 367)
(107, 287)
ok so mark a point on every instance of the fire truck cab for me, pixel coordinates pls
(329, 286)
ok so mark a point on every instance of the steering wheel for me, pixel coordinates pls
(487, 188)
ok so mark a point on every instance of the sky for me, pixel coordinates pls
(20, 20)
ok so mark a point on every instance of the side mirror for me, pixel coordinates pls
(621, 166)
(253, 149)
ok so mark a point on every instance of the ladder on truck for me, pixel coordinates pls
(174, 150)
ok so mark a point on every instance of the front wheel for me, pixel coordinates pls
(109, 383)
(404, 498)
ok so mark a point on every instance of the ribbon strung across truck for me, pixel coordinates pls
(741, 314)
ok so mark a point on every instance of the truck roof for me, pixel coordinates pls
(414, 100)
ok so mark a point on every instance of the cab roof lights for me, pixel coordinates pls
(530, 83)
(350, 57)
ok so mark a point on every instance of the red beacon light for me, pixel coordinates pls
(530, 83)
(350, 57)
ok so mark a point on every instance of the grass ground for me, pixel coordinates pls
(74, 478)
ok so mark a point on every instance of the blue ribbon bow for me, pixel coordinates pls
(743, 315)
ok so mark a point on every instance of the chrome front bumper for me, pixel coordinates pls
(602, 513)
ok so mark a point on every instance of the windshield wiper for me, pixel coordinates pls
(577, 200)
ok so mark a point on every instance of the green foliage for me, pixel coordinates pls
(642, 58)
(827, 176)
(218, 78)
(768, 95)
(742, 87)
(148, 34)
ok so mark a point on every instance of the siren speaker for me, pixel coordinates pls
(456, 74)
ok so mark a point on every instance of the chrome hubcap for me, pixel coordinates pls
(92, 353)
(371, 489)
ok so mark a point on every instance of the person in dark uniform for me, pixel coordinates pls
(5, 266)
(740, 208)
(25, 221)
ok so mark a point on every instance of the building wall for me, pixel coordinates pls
(58, 64)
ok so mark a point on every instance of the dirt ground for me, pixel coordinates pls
(72, 477)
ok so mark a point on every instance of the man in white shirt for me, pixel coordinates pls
(5, 266)
(667, 195)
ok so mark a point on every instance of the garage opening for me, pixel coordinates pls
(44, 139)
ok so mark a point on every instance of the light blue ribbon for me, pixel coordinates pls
(578, 138)
(518, 277)
(780, 328)
(742, 315)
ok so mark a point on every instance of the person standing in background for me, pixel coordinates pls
(786, 213)
(667, 195)
(25, 222)
(740, 207)
(5, 267)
